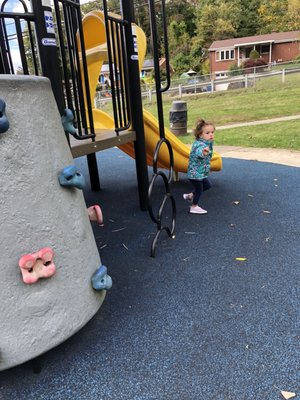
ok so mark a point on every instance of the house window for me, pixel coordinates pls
(221, 75)
(265, 49)
(223, 55)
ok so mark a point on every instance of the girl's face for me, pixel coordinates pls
(208, 133)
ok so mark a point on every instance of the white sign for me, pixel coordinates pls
(135, 45)
(49, 42)
(134, 57)
(49, 22)
(46, 3)
(133, 30)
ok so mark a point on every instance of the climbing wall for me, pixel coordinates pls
(50, 265)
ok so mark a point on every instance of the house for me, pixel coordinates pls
(148, 67)
(273, 48)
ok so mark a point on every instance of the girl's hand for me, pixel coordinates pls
(206, 151)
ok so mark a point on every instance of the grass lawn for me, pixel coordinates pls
(243, 105)
(279, 135)
(270, 98)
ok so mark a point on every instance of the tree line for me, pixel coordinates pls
(194, 24)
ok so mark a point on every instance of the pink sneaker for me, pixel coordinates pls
(188, 197)
(197, 210)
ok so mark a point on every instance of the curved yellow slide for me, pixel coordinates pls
(96, 51)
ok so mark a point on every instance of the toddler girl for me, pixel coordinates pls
(199, 164)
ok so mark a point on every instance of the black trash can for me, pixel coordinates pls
(178, 118)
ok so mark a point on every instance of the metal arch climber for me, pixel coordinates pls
(163, 141)
(167, 197)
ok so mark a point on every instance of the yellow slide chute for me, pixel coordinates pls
(96, 53)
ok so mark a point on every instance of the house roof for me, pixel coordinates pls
(275, 37)
(148, 64)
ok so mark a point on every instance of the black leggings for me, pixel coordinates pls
(199, 187)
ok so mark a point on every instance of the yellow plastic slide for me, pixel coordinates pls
(96, 52)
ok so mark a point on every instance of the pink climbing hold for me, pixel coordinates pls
(37, 265)
(95, 214)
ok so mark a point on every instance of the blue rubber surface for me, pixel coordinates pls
(193, 322)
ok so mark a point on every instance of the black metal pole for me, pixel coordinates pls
(157, 69)
(48, 50)
(136, 105)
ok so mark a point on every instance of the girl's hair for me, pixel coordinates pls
(200, 124)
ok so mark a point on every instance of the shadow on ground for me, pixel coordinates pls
(193, 322)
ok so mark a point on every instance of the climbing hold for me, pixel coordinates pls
(69, 176)
(4, 124)
(67, 120)
(95, 214)
(100, 279)
(37, 265)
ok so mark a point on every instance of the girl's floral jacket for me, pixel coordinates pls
(199, 164)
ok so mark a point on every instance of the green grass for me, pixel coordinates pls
(279, 135)
(242, 105)
(270, 98)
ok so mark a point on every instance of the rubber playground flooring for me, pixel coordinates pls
(215, 315)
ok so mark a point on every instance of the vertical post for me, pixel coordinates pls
(47, 46)
(136, 104)
(283, 75)
(93, 171)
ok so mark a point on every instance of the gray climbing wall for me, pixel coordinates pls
(36, 212)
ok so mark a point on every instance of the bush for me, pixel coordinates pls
(254, 55)
(234, 70)
(249, 65)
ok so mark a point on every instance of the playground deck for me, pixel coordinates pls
(193, 323)
(105, 139)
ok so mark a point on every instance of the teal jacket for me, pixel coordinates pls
(199, 164)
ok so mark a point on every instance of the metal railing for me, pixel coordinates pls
(17, 29)
(203, 84)
(20, 33)
(118, 67)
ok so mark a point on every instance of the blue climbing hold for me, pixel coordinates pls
(70, 177)
(4, 124)
(100, 279)
(67, 120)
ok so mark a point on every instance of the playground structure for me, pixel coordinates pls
(49, 255)
(53, 279)
(97, 54)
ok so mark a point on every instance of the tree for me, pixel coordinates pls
(293, 15)
(112, 6)
(249, 19)
(218, 19)
(179, 46)
(273, 16)
(182, 11)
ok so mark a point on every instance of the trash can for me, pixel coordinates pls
(178, 118)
